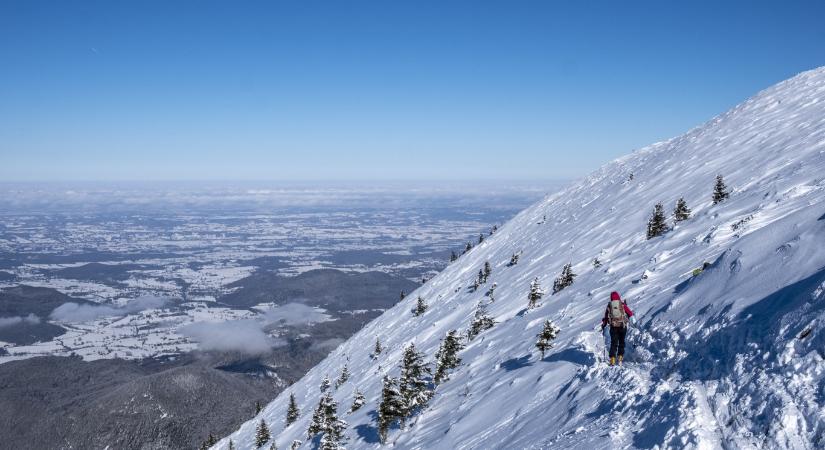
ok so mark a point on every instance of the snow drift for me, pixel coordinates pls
(729, 357)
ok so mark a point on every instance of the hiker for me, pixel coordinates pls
(617, 316)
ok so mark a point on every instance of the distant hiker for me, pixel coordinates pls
(617, 316)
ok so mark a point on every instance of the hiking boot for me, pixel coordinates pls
(621, 357)
(612, 360)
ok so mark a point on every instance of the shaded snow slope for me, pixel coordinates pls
(716, 359)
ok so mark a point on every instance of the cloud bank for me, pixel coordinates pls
(293, 314)
(31, 319)
(246, 336)
(73, 312)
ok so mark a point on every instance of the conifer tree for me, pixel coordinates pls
(481, 321)
(546, 337)
(681, 211)
(333, 427)
(657, 225)
(292, 411)
(262, 434)
(487, 270)
(720, 191)
(210, 441)
(391, 407)
(420, 307)
(325, 384)
(273, 446)
(536, 293)
(296, 444)
(377, 349)
(413, 384)
(468, 247)
(231, 444)
(453, 256)
(403, 294)
(596, 263)
(492, 292)
(258, 408)
(447, 356)
(565, 279)
(316, 425)
(357, 402)
(513, 260)
(481, 238)
(480, 276)
(343, 377)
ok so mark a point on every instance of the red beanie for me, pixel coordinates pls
(615, 296)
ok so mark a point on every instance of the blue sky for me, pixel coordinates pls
(357, 90)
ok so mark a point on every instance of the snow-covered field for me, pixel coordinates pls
(729, 358)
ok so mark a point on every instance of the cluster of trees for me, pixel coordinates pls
(454, 256)
(657, 224)
(565, 279)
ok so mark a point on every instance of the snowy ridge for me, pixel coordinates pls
(716, 359)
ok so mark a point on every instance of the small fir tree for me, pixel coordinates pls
(453, 256)
(481, 322)
(420, 307)
(565, 279)
(447, 356)
(231, 445)
(681, 211)
(403, 294)
(333, 427)
(480, 276)
(391, 407)
(596, 263)
(546, 337)
(262, 434)
(488, 270)
(325, 384)
(377, 349)
(258, 408)
(273, 446)
(343, 377)
(292, 411)
(720, 190)
(657, 225)
(357, 402)
(413, 383)
(296, 444)
(468, 247)
(316, 425)
(536, 293)
(481, 238)
(491, 293)
(513, 260)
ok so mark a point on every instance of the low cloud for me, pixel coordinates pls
(246, 336)
(293, 314)
(327, 345)
(73, 312)
(31, 319)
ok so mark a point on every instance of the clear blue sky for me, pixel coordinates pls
(337, 90)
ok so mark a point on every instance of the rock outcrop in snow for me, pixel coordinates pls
(730, 356)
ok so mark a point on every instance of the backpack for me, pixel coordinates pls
(618, 318)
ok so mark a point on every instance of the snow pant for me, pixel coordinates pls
(617, 335)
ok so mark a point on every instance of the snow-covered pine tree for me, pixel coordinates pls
(480, 238)
(343, 377)
(316, 425)
(491, 293)
(333, 427)
(262, 434)
(720, 190)
(231, 444)
(403, 294)
(480, 276)
(258, 408)
(296, 444)
(657, 225)
(513, 260)
(211, 440)
(357, 402)
(476, 284)
(681, 211)
(292, 411)
(273, 446)
(468, 247)
(596, 263)
(447, 356)
(565, 279)
(536, 293)
(377, 349)
(413, 383)
(391, 407)
(488, 270)
(546, 337)
(325, 384)
(481, 321)
(453, 256)
(420, 306)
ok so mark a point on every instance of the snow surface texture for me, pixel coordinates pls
(715, 360)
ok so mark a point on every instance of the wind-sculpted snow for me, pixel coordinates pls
(731, 356)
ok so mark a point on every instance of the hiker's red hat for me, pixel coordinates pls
(615, 296)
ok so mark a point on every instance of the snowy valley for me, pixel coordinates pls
(728, 350)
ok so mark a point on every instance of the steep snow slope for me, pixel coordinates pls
(715, 360)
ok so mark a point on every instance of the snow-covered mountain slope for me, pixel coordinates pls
(731, 357)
